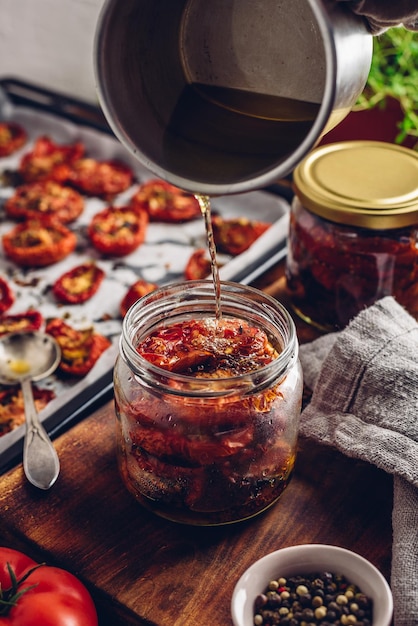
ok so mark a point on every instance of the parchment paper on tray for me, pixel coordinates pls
(160, 259)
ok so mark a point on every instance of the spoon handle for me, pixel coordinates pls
(40, 460)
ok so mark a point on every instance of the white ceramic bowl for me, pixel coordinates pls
(305, 559)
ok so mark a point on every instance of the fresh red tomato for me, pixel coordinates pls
(7, 296)
(234, 236)
(12, 137)
(38, 243)
(78, 284)
(140, 288)
(118, 231)
(165, 203)
(35, 594)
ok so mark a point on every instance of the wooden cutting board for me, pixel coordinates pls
(144, 570)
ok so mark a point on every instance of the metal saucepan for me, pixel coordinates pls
(227, 96)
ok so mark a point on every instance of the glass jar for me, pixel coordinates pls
(353, 235)
(199, 450)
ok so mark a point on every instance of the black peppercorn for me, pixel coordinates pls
(318, 598)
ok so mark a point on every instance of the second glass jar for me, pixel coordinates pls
(353, 235)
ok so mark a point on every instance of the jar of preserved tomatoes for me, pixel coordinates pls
(207, 406)
(353, 235)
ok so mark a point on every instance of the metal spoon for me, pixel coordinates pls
(25, 357)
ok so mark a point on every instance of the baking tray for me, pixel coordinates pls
(160, 259)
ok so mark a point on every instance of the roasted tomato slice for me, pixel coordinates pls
(46, 198)
(134, 293)
(38, 243)
(189, 348)
(31, 320)
(165, 203)
(12, 408)
(198, 266)
(7, 296)
(78, 284)
(80, 349)
(104, 179)
(117, 231)
(234, 236)
(12, 137)
(49, 161)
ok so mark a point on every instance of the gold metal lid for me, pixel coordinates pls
(371, 184)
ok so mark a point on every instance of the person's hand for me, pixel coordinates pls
(383, 14)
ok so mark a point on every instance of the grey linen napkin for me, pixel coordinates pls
(364, 381)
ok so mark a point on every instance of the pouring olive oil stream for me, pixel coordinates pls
(204, 203)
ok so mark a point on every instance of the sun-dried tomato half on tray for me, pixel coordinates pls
(46, 198)
(165, 203)
(234, 236)
(198, 266)
(7, 296)
(49, 160)
(38, 243)
(31, 320)
(12, 408)
(104, 179)
(80, 349)
(140, 288)
(118, 231)
(78, 284)
(12, 137)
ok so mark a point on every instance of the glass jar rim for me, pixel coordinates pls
(150, 312)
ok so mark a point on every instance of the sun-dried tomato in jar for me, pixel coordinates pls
(208, 409)
(353, 235)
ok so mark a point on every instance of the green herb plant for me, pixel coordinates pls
(394, 74)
